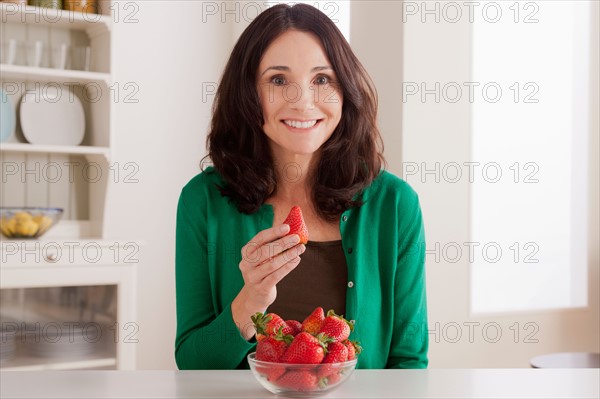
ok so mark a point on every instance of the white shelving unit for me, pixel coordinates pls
(30, 170)
(75, 178)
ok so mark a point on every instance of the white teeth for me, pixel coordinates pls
(300, 125)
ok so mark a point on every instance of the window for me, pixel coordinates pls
(529, 202)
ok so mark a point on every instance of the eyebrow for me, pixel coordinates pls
(287, 69)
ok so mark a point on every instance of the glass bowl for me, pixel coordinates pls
(28, 222)
(300, 380)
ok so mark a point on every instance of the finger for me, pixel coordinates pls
(266, 236)
(278, 261)
(270, 250)
(256, 274)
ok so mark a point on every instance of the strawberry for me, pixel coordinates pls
(306, 349)
(272, 372)
(354, 348)
(297, 225)
(300, 380)
(336, 327)
(269, 324)
(275, 372)
(312, 324)
(333, 379)
(272, 348)
(337, 352)
(295, 325)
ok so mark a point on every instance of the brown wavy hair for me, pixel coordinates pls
(238, 147)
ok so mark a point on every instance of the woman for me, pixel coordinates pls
(294, 123)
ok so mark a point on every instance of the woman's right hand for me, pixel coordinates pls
(266, 260)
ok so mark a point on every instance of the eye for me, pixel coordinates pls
(278, 80)
(323, 79)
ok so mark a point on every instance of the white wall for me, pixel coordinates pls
(168, 54)
(440, 132)
(376, 38)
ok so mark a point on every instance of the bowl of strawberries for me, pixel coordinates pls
(303, 359)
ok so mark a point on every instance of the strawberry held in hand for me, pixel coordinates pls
(297, 225)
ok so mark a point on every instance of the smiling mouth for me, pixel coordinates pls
(301, 124)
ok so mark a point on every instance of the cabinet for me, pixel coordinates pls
(82, 290)
(74, 278)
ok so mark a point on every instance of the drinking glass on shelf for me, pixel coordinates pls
(81, 58)
(9, 51)
(60, 55)
(35, 53)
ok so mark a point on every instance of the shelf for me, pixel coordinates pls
(88, 151)
(51, 74)
(93, 24)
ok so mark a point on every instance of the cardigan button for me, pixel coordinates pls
(350, 250)
(350, 284)
(344, 218)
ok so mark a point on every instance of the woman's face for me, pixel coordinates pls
(299, 94)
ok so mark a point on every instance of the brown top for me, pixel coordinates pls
(319, 280)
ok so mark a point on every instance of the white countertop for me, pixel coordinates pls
(432, 383)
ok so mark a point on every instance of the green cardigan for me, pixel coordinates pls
(384, 244)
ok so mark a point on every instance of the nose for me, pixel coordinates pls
(303, 99)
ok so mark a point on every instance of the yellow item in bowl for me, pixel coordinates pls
(28, 222)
